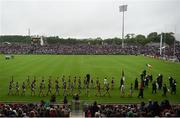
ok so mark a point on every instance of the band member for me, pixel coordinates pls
(122, 90)
(72, 88)
(57, 87)
(121, 82)
(173, 89)
(34, 80)
(34, 83)
(86, 88)
(23, 88)
(49, 88)
(107, 88)
(146, 80)
(141, 90)
(63, 79)
(69, 82)
(160, 81)
(98, 90)
(170, 81)
(79, 80)
(105, 82)
(12, 80)
(49, 80)
(10, 88)
(64, 88)
(88, 79)
(136, 84)
(154, 87)
(92, 84)
(56, 81)
(28, 81)
(75, 82)
(131, 90)
(41, 89)
(17, 88)
(112, 83)
(97, 81)
(79, 86)
(164, 90)
(32, 89)
(84, 82)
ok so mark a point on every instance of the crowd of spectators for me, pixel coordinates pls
(17, 48)
(74, 49)
(151, 109)
(87, 49)
(42, 109)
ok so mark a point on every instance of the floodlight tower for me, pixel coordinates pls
(123, 8)
(161, 45)
(29, 32)
(174, 53)
(164, 43)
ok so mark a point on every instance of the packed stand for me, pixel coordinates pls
(151, 109)
(17, 48)
(34, 110)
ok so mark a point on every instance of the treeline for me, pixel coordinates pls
(15, 38)
(129, 39)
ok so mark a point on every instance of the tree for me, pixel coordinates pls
(128, 36)
(153, 37)
(141, 39)
(15, 38)
(169, 38)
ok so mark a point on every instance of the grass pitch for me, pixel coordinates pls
(79, 65)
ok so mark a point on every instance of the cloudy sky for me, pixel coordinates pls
(88, 18)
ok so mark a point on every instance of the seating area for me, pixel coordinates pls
(42, 109)
(18, 48)
(151, 109)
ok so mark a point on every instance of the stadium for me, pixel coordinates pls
(131, 75)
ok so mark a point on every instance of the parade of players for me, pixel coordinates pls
(89, 85)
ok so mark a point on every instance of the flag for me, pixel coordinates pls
(163, 47)
(123, 8)
(149, 66)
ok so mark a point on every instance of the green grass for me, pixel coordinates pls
(96, 65)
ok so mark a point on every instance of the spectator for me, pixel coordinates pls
(94, 109)
(136, 84)
(65, 101)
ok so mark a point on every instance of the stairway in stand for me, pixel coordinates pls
(77, 113)
(76, 109)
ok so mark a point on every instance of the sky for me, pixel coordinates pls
(88, 18)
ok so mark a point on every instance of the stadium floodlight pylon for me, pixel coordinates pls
(161, 45)
(29, 32)
(174, 52)
(123, 8)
